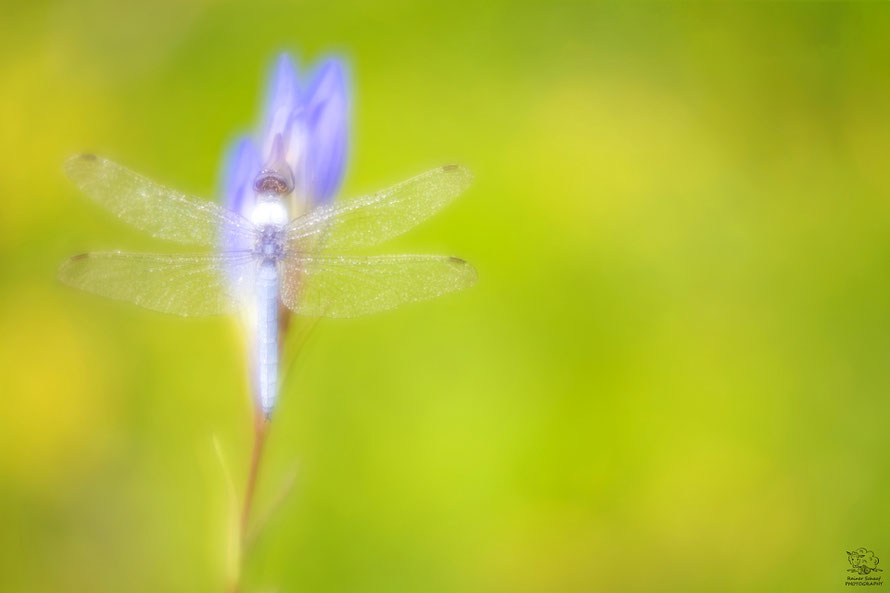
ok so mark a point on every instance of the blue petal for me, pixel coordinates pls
(242, 165)
(326, 116)
(283, 99)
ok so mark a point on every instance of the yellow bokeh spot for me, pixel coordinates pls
(55, 414)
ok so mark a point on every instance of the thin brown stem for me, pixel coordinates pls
(262, 520)
(260, 427)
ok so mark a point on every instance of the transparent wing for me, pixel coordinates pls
(190, 285)
(349, 286)
(160, 211)
(372, 219)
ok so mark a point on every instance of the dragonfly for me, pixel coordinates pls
(252, 265)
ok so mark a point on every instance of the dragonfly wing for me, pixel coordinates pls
(155, 209)
(372, 219)
(349, 286)
(189, 285)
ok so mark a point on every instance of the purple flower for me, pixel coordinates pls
(305, 127)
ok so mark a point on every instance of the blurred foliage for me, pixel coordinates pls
(672, 375)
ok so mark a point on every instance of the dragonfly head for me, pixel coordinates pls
(276, 178)
(274, 181)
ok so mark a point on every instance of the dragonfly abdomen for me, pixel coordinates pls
(267, 334)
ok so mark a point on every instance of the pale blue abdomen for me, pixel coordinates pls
(267, 334)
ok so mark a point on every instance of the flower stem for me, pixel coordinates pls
(260, 430)
(260, 427)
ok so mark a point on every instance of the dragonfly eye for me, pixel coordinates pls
(272, 182)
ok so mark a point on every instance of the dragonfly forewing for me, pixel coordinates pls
(158, 210)
(372, 219)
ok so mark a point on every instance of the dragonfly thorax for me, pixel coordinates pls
(270, 243)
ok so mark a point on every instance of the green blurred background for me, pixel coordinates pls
(673, 374)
